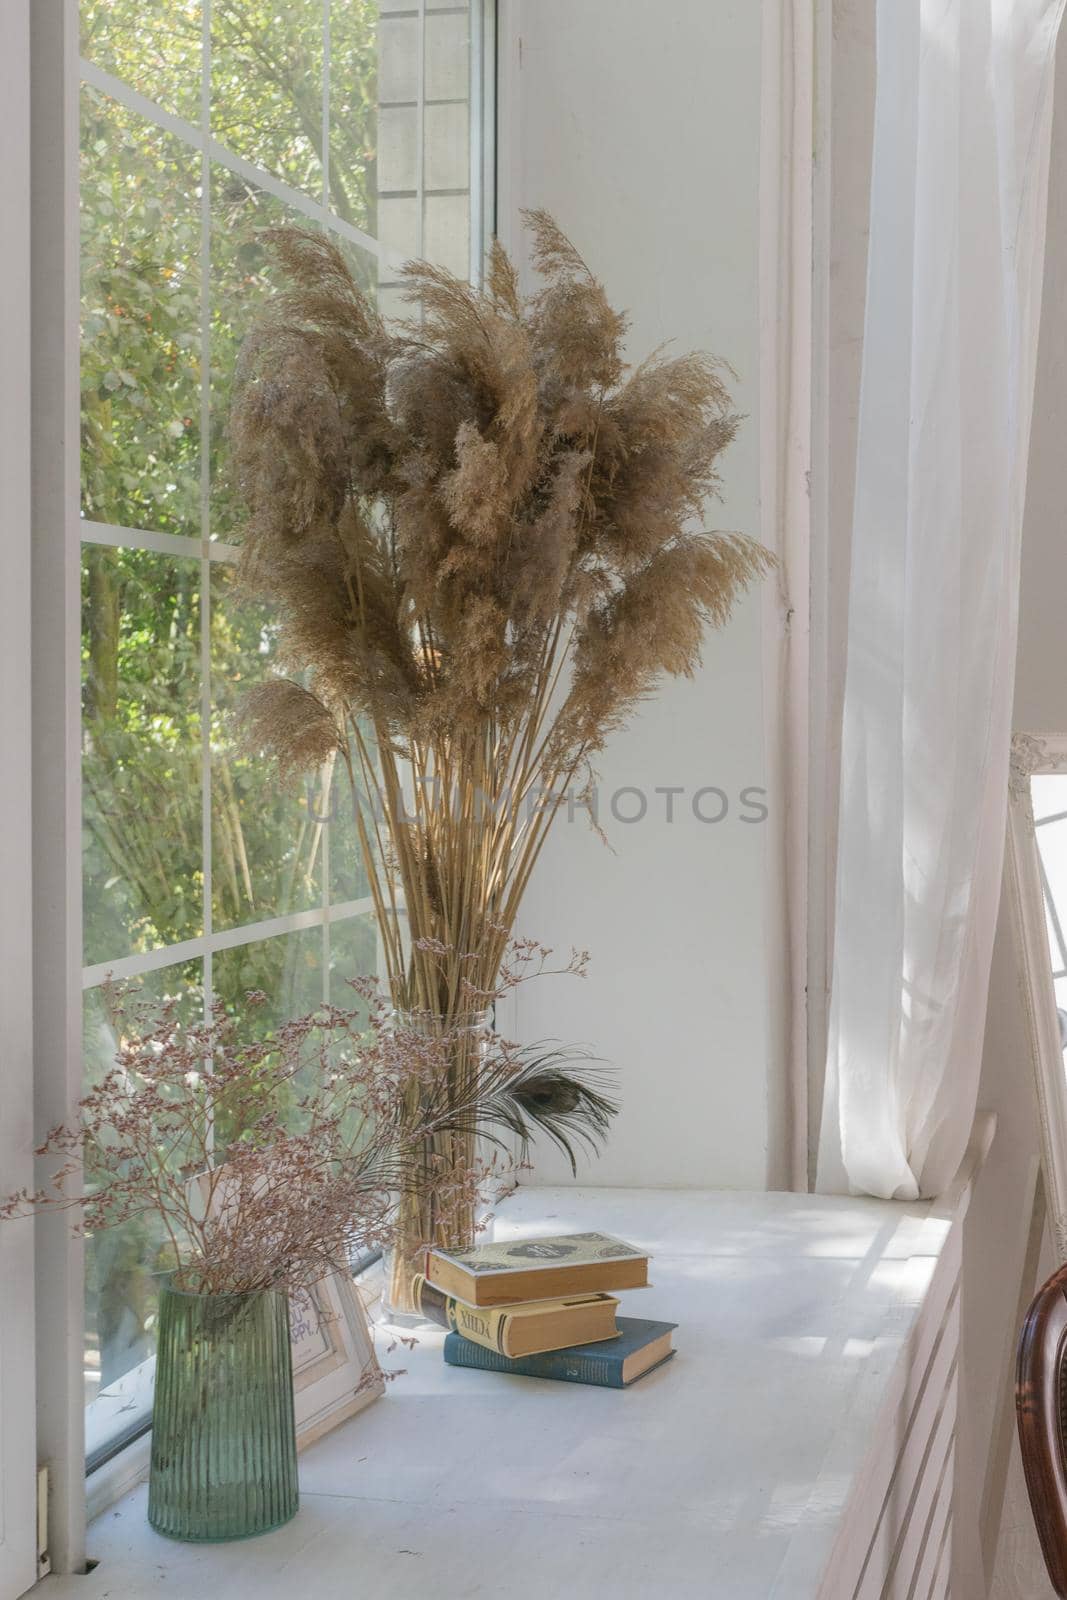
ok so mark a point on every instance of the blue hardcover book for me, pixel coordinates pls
(641, 1346)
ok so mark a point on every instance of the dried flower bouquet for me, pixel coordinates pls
(482, 533)
(272, 1161)
(269, 1162)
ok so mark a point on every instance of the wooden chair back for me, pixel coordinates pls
(1041, 1413)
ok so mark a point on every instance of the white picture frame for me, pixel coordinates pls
(335, 1370)
(1031, 754)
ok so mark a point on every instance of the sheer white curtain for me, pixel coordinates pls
(958, 199)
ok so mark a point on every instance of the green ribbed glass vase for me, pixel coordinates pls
(223, 1434)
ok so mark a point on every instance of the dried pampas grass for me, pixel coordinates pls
(482, 534)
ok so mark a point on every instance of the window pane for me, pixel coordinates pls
(155, 46)
(143, 881)
(287, 969)
(140, 322)
(1048, 794)
(447, 159)
(398, 59)
(424, 139)
(398, 151)
(398, 225)
(272, 853)
(353, 954)
(243, 277)
(448, 55)
(447, 232)
(267, 845)
(392, 301)
(123, 1265)
(1052, 844)
(348, 879)
(355, 49)
(266, 86)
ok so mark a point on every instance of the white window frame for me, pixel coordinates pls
(18, 1545)
(54, 839)
(55, 670)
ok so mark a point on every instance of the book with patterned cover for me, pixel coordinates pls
(640, 1348)
(543, 1268)
(524, 1329)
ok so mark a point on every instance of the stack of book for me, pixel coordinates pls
(543, 1308)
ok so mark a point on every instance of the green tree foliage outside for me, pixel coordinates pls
(154, 458)
(142, 450)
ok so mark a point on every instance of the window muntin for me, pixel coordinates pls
(202, 123)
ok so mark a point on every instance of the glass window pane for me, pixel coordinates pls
(1055, 949)
(271, 853)
(447, 232)
(140, 367)
(1052, 843)
(243, 277)
(348, 879)
(398, 225)
(446, 162)
(1048, 792)
(447, 55)
(266, 86)
(355, 52)
(266, 841)
(143, 879)
(155, 46)
(287, 969)
(398, 142)
(123, 1265)
(398, 59)
(353, 954)
(392, 301)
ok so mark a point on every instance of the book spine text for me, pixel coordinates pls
(483, 1325)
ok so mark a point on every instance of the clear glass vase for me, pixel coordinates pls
(424, 1215)
(223, 1432)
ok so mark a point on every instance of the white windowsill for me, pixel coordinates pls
(117, 1477)
(730, 1473)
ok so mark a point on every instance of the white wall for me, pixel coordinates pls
(638, 126)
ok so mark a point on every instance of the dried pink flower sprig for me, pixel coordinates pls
(271, 1161)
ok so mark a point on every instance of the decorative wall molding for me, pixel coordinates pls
(1033, 752)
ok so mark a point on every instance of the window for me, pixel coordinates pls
(1049, 794)
(202, 122)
